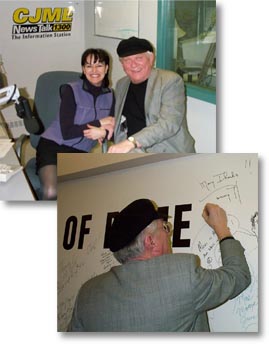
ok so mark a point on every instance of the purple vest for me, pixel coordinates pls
(86, 111)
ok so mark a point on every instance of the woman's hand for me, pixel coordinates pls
(110, 121)
(94, 133)
(110, 130)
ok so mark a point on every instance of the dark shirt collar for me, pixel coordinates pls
(143, 83)
(95, 90)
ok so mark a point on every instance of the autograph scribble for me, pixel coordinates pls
(220, 186)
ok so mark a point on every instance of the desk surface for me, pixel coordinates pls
(17, 187)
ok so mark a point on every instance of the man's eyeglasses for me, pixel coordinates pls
(167, 227)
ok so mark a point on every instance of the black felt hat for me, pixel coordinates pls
(130, 222)
(132, 46)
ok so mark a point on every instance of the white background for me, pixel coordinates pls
(28, 231)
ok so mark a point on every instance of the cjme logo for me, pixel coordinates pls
(43, 20)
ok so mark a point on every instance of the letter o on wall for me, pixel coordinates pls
(70, 232)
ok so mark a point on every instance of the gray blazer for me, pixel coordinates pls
(167, 293)
(166, 126)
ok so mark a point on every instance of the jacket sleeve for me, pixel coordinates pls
(166, 110)
(211, 288)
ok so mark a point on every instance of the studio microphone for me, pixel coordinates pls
(31, 122)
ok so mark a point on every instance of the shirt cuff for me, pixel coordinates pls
(95, 123)
(226, 238)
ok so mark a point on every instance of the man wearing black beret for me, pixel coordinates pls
(150, 104)
(154, 290)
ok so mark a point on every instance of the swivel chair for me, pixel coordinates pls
(46, 104)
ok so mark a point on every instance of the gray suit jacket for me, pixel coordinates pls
(166, 128)
(167, 293)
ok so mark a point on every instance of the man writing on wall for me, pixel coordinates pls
(150, 104)
(154, 290)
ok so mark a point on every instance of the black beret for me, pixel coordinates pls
(130, 222)
(132, 46)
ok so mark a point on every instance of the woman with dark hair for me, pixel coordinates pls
(86, 115)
